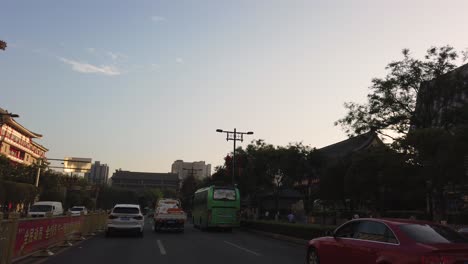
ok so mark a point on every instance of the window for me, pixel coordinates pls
(200, 198)
(347, 230)
(224, 194)
(375, 231)
(40, 208)
(430, 234)
(126, 210)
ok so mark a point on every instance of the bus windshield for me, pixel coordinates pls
(224, 194)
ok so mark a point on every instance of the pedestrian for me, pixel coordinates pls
(291, 218)
(267, 214)
(277, 216)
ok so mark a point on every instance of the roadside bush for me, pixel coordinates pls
(458, 218)
(16, 192)
(294, 230)
(420, 215)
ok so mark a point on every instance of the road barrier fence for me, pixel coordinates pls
(20, 238)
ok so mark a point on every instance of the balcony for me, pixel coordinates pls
(15, 159)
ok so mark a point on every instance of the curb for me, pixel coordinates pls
(294, 240)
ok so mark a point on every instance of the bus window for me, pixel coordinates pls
(224, 194)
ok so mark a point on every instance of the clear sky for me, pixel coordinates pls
(139, 84)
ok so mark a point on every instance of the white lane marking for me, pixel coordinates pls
(161, 247)
(242, 248)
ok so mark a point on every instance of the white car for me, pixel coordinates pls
(125, 217)
(76, 210)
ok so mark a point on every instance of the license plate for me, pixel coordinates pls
(125, 218)
(170, 222)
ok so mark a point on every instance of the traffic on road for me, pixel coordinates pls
(192, 246)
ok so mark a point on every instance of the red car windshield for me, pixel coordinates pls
(432, 234)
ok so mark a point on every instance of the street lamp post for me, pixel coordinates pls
(3, 45)
(234, 136)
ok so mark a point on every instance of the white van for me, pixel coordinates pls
(39, 209)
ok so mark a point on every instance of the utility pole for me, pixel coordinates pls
(192, 171)
(38, 175)
(234, 136)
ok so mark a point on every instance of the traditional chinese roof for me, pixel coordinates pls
(11, 122)
(351, 145)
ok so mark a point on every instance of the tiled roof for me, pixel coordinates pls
(10, 121)
(350, 145)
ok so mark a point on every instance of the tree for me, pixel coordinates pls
(221, 176)
(109, 196)
(50, 186)
(3, 45)
(440, 156)
(187, 190)
(392, 100)
(381, 179)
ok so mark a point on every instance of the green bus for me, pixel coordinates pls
(216, 206)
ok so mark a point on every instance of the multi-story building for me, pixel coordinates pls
(139, 181)
(99, 173)
(16, 141)
(198, 169)
(442, 101)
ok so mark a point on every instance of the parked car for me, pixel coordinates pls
(76, 210)
(40, 209)
(395, 241)
(463, 231)
(125, 217)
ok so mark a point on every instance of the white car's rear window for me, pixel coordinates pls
(126, 210)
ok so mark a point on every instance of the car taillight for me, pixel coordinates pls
(112, 217)
(138, 217)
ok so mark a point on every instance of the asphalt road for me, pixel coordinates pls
(193, 246)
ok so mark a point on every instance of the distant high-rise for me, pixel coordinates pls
(198, 168)
(99, 173)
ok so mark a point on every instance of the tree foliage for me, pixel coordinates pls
(187, 190)
(391, 101)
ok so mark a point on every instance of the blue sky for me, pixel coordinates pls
(139, 84)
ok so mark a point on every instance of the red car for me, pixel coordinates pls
(389, 241)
